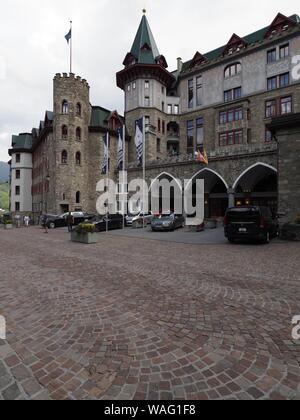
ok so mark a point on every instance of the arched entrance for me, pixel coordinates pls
(216, 192)
(257, 186)
(166, 193)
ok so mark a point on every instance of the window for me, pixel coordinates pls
(147, 84)
(271, 108)
(78, 134)
(190, 137)
(163, 127)
(78, 197)
(191, 93)
(18, 174)
(231, 138)
(128, 88)
(199, 133)
(163, 107)
(278, 81)
(64, 157)
(279, 106)
(176, 109)
(65, 107)
(286, 105)
(199, 91)
(17, 190)
(78, 109)
(158, 145)
(64, 132)
(18, 158)
(170, 109)
(232, 94)
(269, 136)
(162, 90)
(147, 101)
(134, 85)
(232, 70)
(147, 120)
(17, 206)
(271, 56)
(284, 80)
(235, 114)
(284, 51)
(78, 158)
(159, 125)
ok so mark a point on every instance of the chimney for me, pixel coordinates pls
(179, 64)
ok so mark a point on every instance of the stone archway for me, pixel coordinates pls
(216, 192)
(159, 195)
(257, 185)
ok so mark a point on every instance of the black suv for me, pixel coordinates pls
(251, 222)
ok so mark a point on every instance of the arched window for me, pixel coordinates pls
(78, 133)
(65, 107)
(78, 197)
(64, 132)
(232, 70)
(78, 158)
(64, 157)
(78, 109)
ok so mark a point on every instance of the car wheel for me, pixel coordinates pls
(52, 225)
(230, 240)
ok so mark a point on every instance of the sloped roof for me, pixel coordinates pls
(144, 47)
(99, 116)
(22, 141)
(253, 38)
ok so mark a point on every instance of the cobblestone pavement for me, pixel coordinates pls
(140, 319)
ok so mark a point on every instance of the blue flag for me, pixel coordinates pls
(69, 36)
(105, 163)
(139, 140)
(120, 149)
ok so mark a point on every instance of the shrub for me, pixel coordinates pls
(85, 228)
(8, 222)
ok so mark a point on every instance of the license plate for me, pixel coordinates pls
(242, 230)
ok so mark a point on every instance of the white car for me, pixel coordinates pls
(131, 219)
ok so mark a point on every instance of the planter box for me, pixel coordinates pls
(85, 238)
(8, 226)
(290, 232)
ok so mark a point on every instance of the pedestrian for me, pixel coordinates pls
(44, 223)
(70, 222)
(26, 221)
(18, 220)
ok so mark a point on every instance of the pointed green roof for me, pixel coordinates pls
(144, 47)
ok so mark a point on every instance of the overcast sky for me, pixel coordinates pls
(33, 48)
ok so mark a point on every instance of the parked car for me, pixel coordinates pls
(250, 223)
(130, 219)
(54, 222)
(167, 222)
(110, 222)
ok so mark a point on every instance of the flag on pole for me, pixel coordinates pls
(139, 140)
(105, 163)
(120, 149)
(69, 36)
(201, 157)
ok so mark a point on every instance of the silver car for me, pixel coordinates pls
(134, 219)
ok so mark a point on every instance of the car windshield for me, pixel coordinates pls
(164, 216)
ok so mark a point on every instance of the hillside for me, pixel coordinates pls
(4, 196)
(4, 172)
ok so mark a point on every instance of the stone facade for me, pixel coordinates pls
(220, 103)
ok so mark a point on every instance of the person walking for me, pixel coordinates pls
(26, 221)
(70, 222)
(18, 221)
(44, 223)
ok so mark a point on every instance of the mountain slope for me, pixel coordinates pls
(4, 196)
(4, 172)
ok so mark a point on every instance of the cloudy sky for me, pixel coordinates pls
(33, 48)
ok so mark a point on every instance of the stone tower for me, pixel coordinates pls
(145, 81)
(72, 115)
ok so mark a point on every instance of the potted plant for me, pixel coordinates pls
(8, 224)
(85, 233)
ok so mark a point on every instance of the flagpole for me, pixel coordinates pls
(124, 167)
(144, 168)
(107, 176)
(71, 47)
